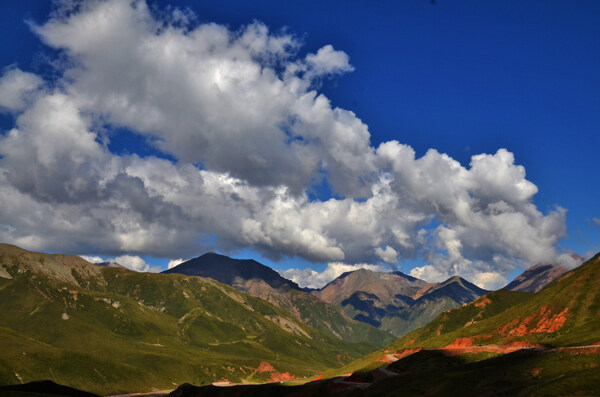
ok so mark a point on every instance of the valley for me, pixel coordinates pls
(109, 330)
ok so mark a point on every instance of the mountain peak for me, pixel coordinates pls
(536, 277)
(230, 271)
(457, 288)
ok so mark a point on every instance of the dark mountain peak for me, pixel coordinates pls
(227, 270)
(109, 264)
(456, 288)
(454, 279)
(540, 267)
(342, 276)
(357, 272)
(536, 277)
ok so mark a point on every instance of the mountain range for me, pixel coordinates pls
(505, 343)
(261, 281)
(395, 302)
(106, 329)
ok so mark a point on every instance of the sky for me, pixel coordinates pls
(435, 138)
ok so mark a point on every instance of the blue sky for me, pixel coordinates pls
(463, 78)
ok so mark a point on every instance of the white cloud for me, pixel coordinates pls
(569, 261)
(388, 255)
(134, 262)
(489, 280)
(92, 259)
(174, 262)
(596, 221)
(312, 279)
(241, 114)
(16, 88)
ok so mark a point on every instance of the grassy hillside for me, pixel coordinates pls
(565, 313)
(258, 280)
(108, 330)
(482, 348)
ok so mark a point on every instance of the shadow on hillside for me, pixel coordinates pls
(42, 388)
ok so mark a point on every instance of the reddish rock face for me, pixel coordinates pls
(281, 376)
(265, 367)
(462, 342)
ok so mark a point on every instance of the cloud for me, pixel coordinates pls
(489, 280)
(92, 259)
(16, 89)
(312, 279)
(131, 262)
(569, 260)
(388, 255)
(250, 135)
(174, 262)
(596, 221)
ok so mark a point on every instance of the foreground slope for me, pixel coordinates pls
(258, 280)
(441, 373)
(108, 329)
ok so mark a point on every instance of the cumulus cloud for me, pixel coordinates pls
(92, 259)
(313, 279)
(388, 255)
(131, 262)
(174, 262)
(569, 260)
(250, 135)
(16, 89)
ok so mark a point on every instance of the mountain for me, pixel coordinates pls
(431, 301)
(396, 302)
(389, 288)
(564, 314)
(258, 280)
(535, 278)
(109, 264)
(109, 330)
(503, 343)
(234, 272)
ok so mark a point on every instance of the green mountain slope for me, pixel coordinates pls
(108, 329)
(258, 280)
(436, 299)
(565, 313)
(505, 343)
